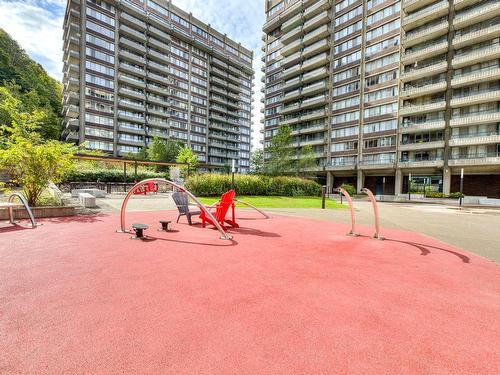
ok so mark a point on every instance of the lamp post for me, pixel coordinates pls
(233, 169)
(409, 186)
(461, 186)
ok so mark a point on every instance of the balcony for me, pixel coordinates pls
(421, 127)
(427, 71)
(424, 53)
(131, 20)
(432, 88)
(317, 34)
(156, 100)
(317, 21)
(429, 33)
(292, 23)
(158, 90)
(316, 48)
(479, 76)
(159, 45)
(72, 111)
(412, 5)
(342, 165)
(159, 67)
(126, 30)
(290, 109)
(132, 69)
(131, 93)
(316, 61)
(290, 96)
(71, 97)
(313, 10)
(314, 89)
(131, 105)
(72, 123)
(475, 139)
(311, 142)
(159, 34)
(477, 56)
(292, 83)
(315, 75)
(430, 163)
(158, 112)
(476, 98)
(476, 119)
(422, 108)
(377, 164)
(72, 84)
(130, 117)
(291, 48)
(160, 56)
(131, 81)
(292, 59)
(491, 158)
(421, 146)
(425, 15)
(290, 72)
(310, 129)
(314, 115)
(476, 15)
(291, 35)
(132, 57)
(313, 102)
(460, 4)
(475, 37)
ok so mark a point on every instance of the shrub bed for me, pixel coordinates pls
(435, 194)
(109, 175)
(217, 184)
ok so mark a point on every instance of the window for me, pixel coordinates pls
(345, 89)
(349, 15)
(351, 43)
(99, 42)
(99, 68)
(100, 29)
(381, 14)
(96, 119)
(380, 126)
(379, 47)
(275, 9)
(381, 94)
(158, 8)
(381, 78)
(347, 59)
(351, 29)
(344, 4)
(96, 93)
(349, 102)
(103, 5)
(97, 145)
(382, 62)
(345, 132)
(90, 78)
(181, 21)
(345, 117)
(380, 110)
(346, 74)
(199, 31)
(100, 16)
(100, 55)
(384, 29)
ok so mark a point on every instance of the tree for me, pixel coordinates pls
(189, 158)
(164, 151)
(307, 160)
(28, 159)
(29, 83)
(280, 160)
(257, 162)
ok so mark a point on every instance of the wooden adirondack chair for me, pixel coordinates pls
(221, 208)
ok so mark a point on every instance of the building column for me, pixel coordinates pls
(446, 180)
(329, 182)
(360, 181)
(398, 182)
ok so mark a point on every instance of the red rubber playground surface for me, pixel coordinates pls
(287, 296)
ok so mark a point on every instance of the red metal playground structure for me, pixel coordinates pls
(218, 218)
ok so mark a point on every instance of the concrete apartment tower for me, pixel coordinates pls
(139, 69)
(383, 89)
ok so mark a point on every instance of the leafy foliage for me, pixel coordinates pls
(109, 175)
(188, 157)
(351, 190)
(280, 160)
(257, 162)
(307, 160)
(28, 159)
(164, 151)
(30, 84)
(216, 184)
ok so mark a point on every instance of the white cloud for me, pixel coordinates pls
(37, 29)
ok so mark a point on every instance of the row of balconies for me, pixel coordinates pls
(476, 14)
(428, 33)
(308, 39)
(474, 37)
(428, 89)
(305, 28)
(306, 65)
(430, 50)
(425, 15)
(427, 71)
(415, 109)
(477, 56)
(476, 77)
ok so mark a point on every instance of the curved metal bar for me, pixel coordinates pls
(375, 212)
(224, 235)
(351, 207)
(255, 208)
(26, 206)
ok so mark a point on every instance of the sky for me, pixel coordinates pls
(37, 26)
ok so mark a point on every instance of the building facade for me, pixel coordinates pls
(139, 69)
(385, 89)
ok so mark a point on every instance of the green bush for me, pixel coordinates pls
(436, 194)
(217, 184)
(349, 188)
(110, 175)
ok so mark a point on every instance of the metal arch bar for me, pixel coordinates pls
(224, 235)
(375, 212)
(26, 206)
(351, 208)
(255, 208)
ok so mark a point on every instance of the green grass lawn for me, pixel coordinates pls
(279, 202)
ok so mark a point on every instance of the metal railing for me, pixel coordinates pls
(26, 206)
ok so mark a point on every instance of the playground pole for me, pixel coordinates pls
(323, 196)
(233, 168)
(409, 187)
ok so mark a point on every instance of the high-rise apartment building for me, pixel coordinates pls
(383, 89)
(139, 69)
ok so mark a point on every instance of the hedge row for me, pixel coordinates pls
(434, 194)
(217, 184)
(109, 175)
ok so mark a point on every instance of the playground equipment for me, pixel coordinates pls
(221, 208)
(342, 191)
(10, 206)
(139, 185)
(375, 212)
(150, 187)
